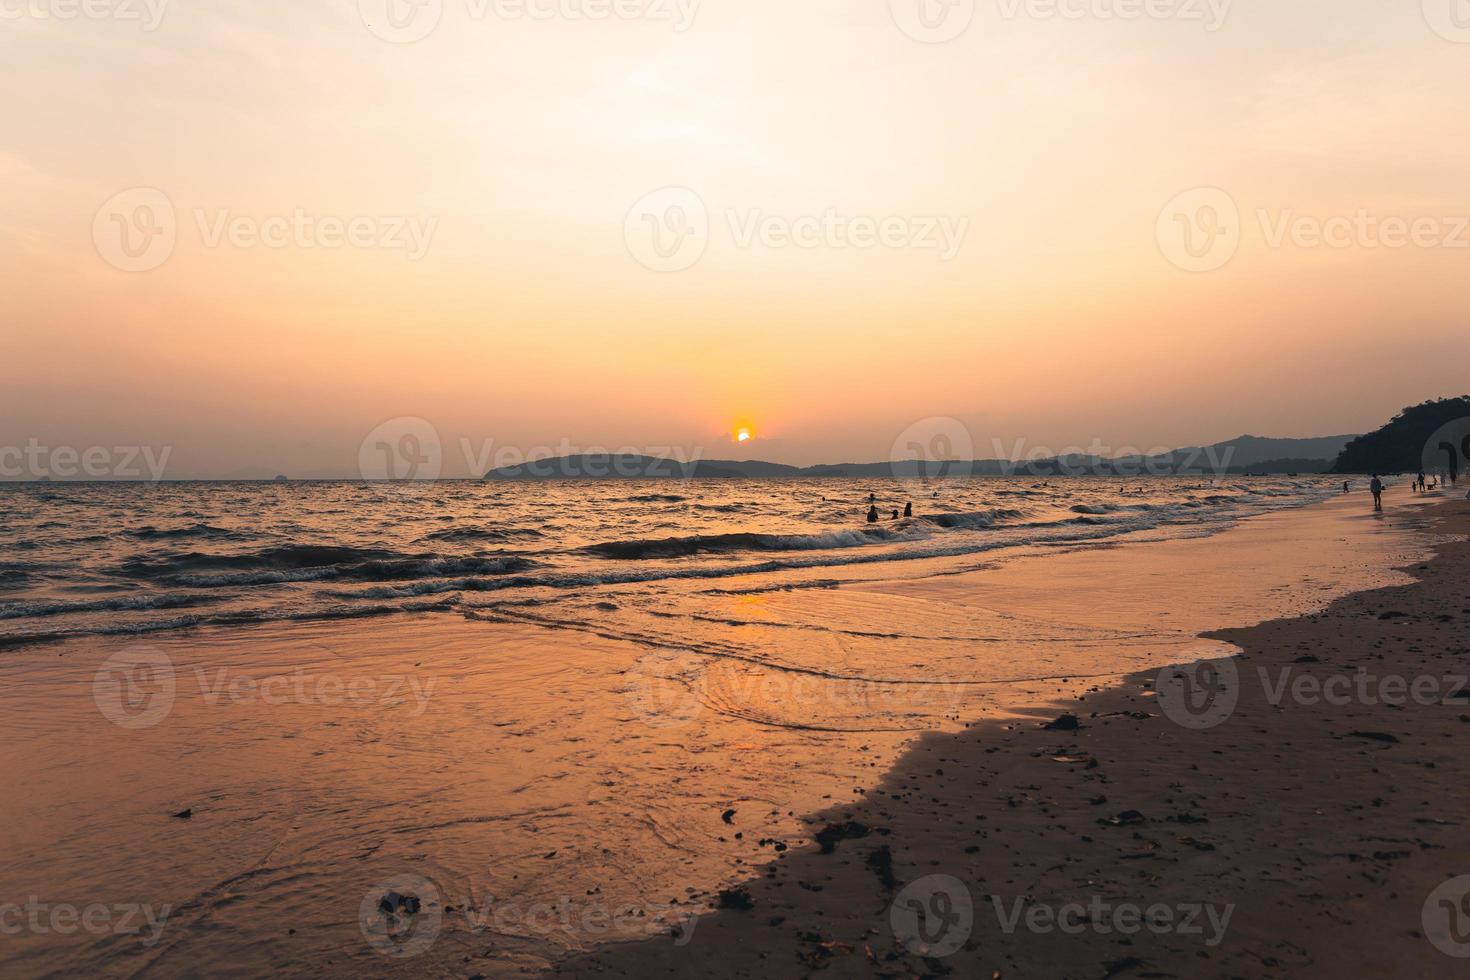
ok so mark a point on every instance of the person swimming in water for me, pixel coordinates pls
(873, 514)
(895, 513)
(908, 509)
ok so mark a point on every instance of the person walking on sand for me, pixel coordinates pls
(1377, 487)
(1423, 483)
(873, 514)
(1344, 486)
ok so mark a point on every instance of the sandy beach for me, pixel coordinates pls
(1302, 835)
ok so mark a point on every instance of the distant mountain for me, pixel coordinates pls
(1433, 436)
(1248, 454)
(752, 468)
(620, 466)
(1256, 454)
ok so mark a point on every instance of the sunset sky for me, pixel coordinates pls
(507, 174)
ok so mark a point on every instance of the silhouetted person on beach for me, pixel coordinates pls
(1344, 486)
(873, 514)
(908, 509)
(1423, 483)
(1377, 487)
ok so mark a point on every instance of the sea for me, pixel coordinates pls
(140, 558)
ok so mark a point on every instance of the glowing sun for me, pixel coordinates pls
(742, 435)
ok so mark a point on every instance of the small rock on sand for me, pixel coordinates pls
(395, 904)
(735, 898)
(829, 835)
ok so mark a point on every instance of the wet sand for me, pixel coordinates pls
(1299, 836)
(554, 778)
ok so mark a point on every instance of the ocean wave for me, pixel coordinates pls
(1063, 533)
(137, 603)
(498, 535)
(975, 520)
(150, 533)
(282, 558)
(111, 629)
(908, 529)
(655, 498)
(683, 547)
(370, 571)
(248, 617)
(310, 564)
(437, 587)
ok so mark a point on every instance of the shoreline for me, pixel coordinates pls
(1308, 819)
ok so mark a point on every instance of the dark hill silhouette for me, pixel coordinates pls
(1248, 454)
(1255, 453)
(1403, 445)
(621, 466)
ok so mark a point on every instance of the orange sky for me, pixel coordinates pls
(503, 172)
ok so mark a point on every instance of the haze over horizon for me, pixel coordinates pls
(934, 439)
(507, 168)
